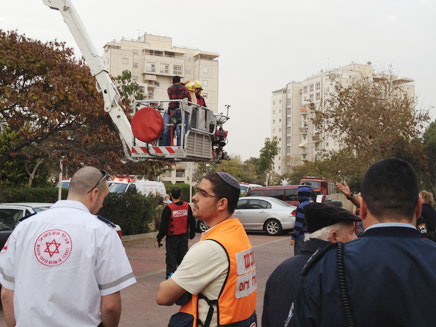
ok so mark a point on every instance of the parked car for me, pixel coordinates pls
(287, 193)
(122, 185)
(11, 213)
(257, 213)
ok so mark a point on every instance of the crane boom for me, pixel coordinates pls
(111, 95)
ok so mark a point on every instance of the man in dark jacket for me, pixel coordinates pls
(177, 221)
(305, 194)
(385, 278)
(326, 224)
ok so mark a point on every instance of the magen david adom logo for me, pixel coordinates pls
(53, 247)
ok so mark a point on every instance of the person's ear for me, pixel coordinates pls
(223, 204)
(333, 236)
(363, 208)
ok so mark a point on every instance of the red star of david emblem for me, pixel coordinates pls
(49, 246)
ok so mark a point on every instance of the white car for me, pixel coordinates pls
(11, 213)
(259, 213)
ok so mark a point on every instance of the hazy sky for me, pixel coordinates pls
(262, 44)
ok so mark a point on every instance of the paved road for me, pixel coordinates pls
(148, 262)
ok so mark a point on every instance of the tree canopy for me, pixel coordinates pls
(50, 109)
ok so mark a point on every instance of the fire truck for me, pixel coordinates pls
(320, 185)
(204, 138)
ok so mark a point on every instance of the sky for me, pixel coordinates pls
(262, 44)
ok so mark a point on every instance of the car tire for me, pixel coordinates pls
(202, 226)
(273, 227)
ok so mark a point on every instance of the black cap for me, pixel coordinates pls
(319, 215)
(229, 180)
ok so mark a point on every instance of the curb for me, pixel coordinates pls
(139, 239)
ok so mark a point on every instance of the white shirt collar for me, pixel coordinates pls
(391, 225)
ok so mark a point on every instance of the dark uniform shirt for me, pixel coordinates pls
(283, 283)
(391, 278)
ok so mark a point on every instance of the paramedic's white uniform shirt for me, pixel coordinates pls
(59, 263)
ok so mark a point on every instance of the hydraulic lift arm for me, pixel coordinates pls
(111, 95)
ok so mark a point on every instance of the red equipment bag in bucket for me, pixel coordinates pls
(147, 124)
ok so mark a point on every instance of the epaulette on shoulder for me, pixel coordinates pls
(316, 257)
(25, 217)
(106, 221)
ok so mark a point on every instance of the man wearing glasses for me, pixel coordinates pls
(216, 281)
(66, 266)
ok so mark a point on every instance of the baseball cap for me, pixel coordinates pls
(320, 215)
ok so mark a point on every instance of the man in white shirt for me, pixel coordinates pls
(65, 266)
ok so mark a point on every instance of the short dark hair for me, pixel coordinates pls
(176, 79)
(224, 190)
(390, 189)
(176, 193)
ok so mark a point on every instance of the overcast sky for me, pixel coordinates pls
(262, 44)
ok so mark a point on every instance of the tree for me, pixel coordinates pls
(128, 88)
(368, 117)
(429, 149)
(48, 99)
(266, 158)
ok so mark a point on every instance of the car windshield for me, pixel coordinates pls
(314, 184)
(244, 188)
(39, 209)
(117, 188)
(280, 202)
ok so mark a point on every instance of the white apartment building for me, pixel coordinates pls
(290, 116)
(153, 61)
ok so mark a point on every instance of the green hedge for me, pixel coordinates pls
(132, 211)
(185, 190)
(32, 194)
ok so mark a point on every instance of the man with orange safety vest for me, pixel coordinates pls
(216, 281)
(177, 220)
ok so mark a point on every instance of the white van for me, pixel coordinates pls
(145, 187)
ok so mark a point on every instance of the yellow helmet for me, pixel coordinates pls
(198, 85)
(190, 86)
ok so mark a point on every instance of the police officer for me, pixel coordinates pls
(66, 266)
(325, 224)
(177, 221)
(220, 270)
(385, 278)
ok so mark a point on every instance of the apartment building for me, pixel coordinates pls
(291, 116)
(153, 61)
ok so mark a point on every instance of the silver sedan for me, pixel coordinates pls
(265, 213)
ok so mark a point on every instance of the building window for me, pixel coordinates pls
(125, 61)
(180, 173)
(205, 70)
(135, 77)
(205, 83)
(141, 89)
(303, 157)
(205, 95)
(274, 102)
(274, 112)
(280, 100)
(164, 68)
(280, 120)
(318, 86)
(274, 121)
(188, 58)
(150, 67)
(177, 70)
(305, 89)
(150, 93)
(135, 53)
(311, 97)
(311, 88)
(318, 95)
(135, 65)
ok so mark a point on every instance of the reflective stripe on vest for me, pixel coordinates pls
(237, 300)
(178, 223)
